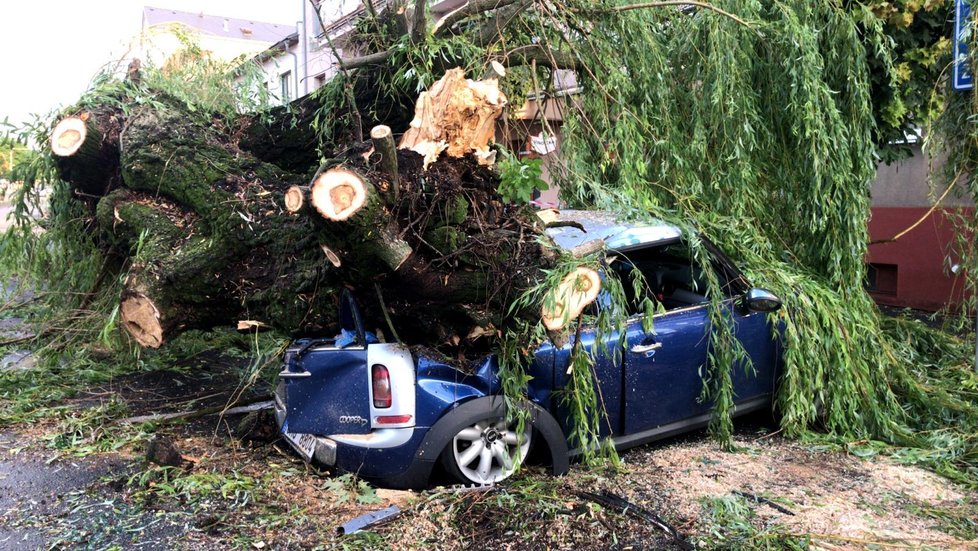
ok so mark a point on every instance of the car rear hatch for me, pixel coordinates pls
(325, 382)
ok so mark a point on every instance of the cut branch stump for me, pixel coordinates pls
(86, 151)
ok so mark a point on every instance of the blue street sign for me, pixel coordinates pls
(963, 79)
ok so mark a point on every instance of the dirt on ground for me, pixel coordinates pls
(835, 499)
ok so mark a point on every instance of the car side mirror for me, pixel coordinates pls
(759, 300)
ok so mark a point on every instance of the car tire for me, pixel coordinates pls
(487, 451)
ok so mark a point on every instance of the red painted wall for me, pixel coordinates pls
(921, 259)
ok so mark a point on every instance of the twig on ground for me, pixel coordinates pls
(607, 499)
(19, 340)
(764, 500)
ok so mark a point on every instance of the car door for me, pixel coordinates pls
(664, 367)
(607, 370)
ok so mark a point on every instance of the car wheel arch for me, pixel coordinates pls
(544, 425)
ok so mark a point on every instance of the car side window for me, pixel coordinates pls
(672, 276)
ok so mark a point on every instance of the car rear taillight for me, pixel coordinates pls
(393, 419)
(380, 379)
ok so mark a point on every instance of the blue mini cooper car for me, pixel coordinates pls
(378, 410)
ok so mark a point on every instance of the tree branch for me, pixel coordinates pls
(364, 60)
(666, 4)
(503, 17)
(470, 8)
(369, 6)
(506, 12)
(419, 22)
(346, 71)
(525, 55)
(922, 218)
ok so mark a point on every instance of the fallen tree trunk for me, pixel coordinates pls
(343, 196)
(285, 136)
(216, 244)
(213, 234)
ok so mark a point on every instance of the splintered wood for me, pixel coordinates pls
(141, 319)
(578, 289)
(456, 116)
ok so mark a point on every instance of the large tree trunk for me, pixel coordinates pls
(215, 232)
(285, 136)
(215, 243)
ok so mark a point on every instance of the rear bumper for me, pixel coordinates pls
(386, 455)
(309, 446)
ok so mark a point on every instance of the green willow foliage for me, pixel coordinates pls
(953, 136)
(761, 137)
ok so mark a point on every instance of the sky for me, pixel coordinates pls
(51, 49)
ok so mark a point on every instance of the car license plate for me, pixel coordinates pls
(305, 444)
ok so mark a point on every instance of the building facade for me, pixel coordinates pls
(920, 268)
(164, 32)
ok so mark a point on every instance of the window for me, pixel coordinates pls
(320, 80)
(285, 86)
(882, 279)
(672, 278)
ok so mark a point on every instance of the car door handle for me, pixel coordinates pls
(286, 374)
(643, 348)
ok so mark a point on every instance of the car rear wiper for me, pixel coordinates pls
(312, 343)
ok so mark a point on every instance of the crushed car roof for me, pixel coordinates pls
(586, 225)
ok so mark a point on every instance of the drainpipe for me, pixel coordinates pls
(304, 48)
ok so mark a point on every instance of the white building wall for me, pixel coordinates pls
(275, 68)
(156, 43)
(332, 10)
(319, 64)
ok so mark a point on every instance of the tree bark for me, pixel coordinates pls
(285, 136)
(217, 245)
